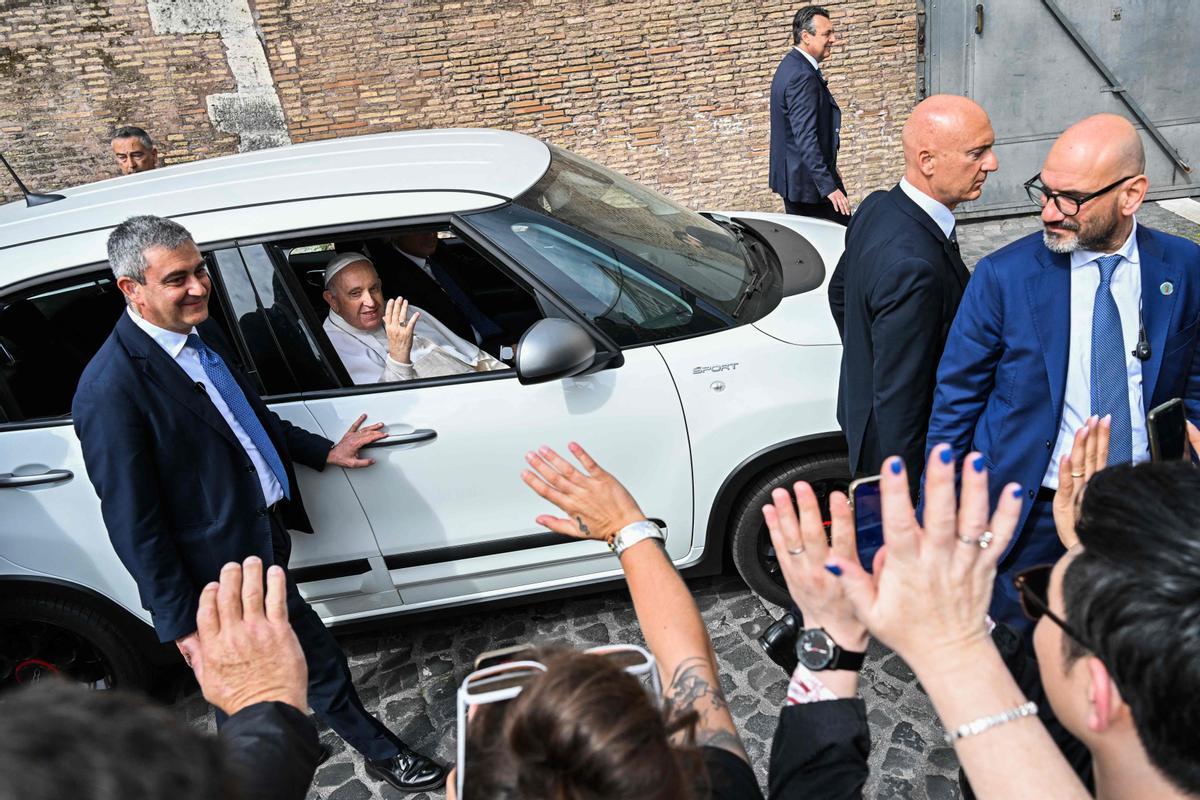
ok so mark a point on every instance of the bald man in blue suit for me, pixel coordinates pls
(1047, 335)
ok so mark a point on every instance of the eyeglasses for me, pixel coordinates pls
(503, 682)
(1068, 204)
(1033, 587)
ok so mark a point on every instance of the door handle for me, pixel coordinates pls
(979, 19)
(10, 481)
(416, 437)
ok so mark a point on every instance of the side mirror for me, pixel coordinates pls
(553, 348)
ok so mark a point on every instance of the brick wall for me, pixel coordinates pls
(674, 94)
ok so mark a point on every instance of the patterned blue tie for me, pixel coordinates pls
(239, 406)
(1110, 376)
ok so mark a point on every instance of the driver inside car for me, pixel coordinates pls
(379, 342)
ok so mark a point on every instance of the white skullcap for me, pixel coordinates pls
(340, 263)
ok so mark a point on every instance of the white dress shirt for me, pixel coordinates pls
(189, 360)
(1077, 397)
(942, 216)
(806, 54)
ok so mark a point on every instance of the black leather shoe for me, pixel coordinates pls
(408, 771)
(779, 641)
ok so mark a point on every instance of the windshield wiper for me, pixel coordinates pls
(754, 261)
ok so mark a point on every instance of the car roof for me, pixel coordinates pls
(447, 167)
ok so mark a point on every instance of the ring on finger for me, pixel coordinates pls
(985, 540)
(795, 551)
(1076, 474)
(967, 540)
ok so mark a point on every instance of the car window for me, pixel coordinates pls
(471, 309)
(47, 336)
(641, 267)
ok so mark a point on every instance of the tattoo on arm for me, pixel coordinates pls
(692, 690)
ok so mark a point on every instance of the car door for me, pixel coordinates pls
(50, 525)
(445, 500)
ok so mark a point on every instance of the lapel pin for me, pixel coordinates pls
(1166, 287)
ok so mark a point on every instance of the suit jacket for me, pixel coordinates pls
(1002, 378)
(805, 127)
(893, 295)
(820, 751)
(401, 277)
(272, 749)
(179, 496)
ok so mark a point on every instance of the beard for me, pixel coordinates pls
(1096, 235)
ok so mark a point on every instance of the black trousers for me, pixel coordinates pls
(331, 693)
(822, 210)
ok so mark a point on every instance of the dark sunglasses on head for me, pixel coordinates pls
(1033, 587)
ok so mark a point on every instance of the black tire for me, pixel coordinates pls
(750, 545)
(43, 634)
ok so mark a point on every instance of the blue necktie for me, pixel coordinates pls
(239, 406)
(1110, 376)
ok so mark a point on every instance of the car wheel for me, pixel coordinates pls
(40, 636)
(751, 547)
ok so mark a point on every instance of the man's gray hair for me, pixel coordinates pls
(133, 132)
(803, 21)
(129, 241)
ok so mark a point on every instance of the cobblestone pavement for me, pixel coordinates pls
(408, 672)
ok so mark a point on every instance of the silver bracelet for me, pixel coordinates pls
(984, 723)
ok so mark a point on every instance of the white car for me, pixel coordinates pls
(694, 355)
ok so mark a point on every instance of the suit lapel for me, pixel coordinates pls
(1157, 307)
(1049, 293)
(162, 370)
(905, 204)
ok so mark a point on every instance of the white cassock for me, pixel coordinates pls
(436, 351)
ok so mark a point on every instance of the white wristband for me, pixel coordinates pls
(986, 723)
(633, 533)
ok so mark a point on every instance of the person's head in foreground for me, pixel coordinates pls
(134, 150)
(354, 292)
(1125, 677)
(581, 727)
(1091, 185)
(62, 740)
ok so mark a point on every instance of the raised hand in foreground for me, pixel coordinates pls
(248, 652)
(927, 600)
(802, 551)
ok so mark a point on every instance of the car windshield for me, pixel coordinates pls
(639, 265)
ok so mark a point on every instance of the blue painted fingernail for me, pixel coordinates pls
(1017, 493)
(947, 455)
(897, 465)
(978, 463)
(834, 569)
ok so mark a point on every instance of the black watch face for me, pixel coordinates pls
(815, 649)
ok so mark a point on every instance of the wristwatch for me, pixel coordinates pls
(816, 650)
(633, 533)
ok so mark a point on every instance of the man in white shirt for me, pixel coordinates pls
(380, 342)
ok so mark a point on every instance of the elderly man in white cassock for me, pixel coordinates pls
(379, 343)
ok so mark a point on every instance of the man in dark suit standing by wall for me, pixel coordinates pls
(194, 471)
(1095, 316)
(898, 284)
(806, 124)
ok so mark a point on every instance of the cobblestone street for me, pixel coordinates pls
(408, 672)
